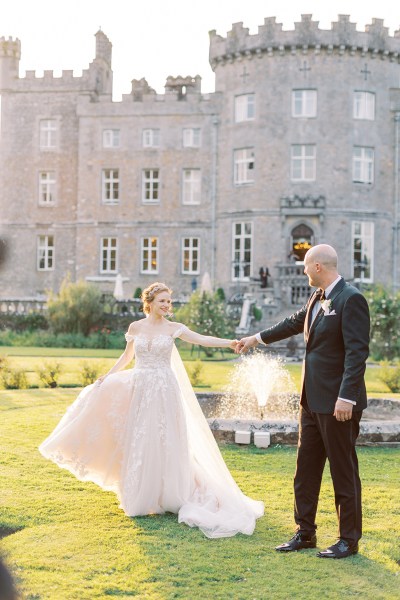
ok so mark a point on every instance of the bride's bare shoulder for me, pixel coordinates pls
(176, 326)
(135, 326)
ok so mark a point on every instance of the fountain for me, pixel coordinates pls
(259, 386)
(261, 398)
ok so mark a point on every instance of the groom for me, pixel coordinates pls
(335, 322)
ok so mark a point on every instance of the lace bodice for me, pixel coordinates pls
(153, 352)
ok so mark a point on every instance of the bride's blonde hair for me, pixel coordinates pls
(151, 292)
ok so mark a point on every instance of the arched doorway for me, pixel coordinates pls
(302, 240)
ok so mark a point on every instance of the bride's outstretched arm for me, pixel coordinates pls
(125, 358)
(206, 340)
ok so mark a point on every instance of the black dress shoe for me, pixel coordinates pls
(298, 542)
(341, 549)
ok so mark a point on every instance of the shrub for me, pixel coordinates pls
(76, 308)
(206, 314)
(26, 322)
(89, 372)
(138, 293)
(49, 373)
(390, 376)
(220, 294)
(195, 373)
(13, 379)
(384, 307)
(257, 313)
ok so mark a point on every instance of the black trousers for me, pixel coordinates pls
(321, 436)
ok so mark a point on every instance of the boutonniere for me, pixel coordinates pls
(326, 306)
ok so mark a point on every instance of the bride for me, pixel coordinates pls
(142, 434)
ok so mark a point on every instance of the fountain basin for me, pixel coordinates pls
(380, 424)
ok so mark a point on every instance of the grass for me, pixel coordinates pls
(214, 376)
(73, 542)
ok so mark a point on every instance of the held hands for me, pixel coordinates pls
(343, 410)
(245, 344)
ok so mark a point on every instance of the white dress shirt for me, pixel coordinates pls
(315, 310)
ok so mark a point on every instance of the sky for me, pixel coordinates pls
(157, 38)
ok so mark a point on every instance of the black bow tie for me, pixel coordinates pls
(320, 295)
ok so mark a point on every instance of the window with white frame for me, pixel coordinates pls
(48, 134)
(364, 105)
(363, 165)
(45, 253)
(363, 251)
(151, 138)
(303, 162)
(191, 186)
(151, 185)
(242, 243)
(191, 137)
(244, 108)
(243, 160)
(111, 138)
(191, 255)
(109, 255)
(110, 186)
(149, 255)
(47, 188)
(304, 103)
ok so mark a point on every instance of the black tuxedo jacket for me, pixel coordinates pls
(336, 348)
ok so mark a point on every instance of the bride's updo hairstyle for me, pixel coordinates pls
(151, 292)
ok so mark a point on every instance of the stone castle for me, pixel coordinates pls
(298, 145)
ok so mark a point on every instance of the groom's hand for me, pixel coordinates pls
(246, 343)
(343, 410)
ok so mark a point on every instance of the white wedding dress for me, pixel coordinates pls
(141, 433)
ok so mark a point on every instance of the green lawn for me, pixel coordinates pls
(214, 376)
(73, 542)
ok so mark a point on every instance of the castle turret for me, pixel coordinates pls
(10, 54)
(100, 68)
(103, 47)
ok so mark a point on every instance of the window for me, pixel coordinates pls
(110, 186)
(242, 251)
(150, 185)
(191, 186)
(364, 105)
(45, 253)
(363, 250)
(191, 255)
(149, 262)
(111, 138)
(151, 138)
(244, 107)
(48, 134)
(191, 138)
(303, 162)
(304, 103)
(243, 166)
(363, 165)
(109, 255)
(47, 188)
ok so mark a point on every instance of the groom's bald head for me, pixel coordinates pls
(324, 255)
(320, 265)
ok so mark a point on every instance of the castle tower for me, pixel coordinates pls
(100, 68)
(10, 54)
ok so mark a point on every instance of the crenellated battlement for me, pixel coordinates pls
(97, 79)
(10, 47)
(306, 35)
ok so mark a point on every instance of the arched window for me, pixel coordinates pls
(302, 240)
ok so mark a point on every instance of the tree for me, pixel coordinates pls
(76, 308)
(206, 314)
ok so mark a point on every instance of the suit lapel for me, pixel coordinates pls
(334, 293)
(308, 316)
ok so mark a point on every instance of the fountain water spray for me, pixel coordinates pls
(259, 384)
